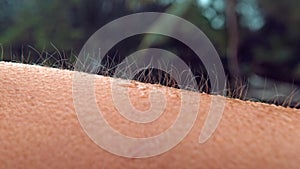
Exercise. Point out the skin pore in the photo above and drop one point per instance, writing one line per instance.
(39, 127)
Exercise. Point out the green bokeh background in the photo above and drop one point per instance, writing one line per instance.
(52, 33)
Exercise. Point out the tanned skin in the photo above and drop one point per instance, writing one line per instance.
(39, 127)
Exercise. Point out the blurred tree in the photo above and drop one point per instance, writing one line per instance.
(66, 25)
(272, 51)
(233, 39)
(267, 39)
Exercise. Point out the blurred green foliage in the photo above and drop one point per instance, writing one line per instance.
(55, 31)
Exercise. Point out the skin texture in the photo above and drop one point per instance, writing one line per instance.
(39, 127)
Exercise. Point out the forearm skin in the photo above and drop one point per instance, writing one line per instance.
(39, 128)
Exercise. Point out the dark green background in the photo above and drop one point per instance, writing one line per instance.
(52, 32)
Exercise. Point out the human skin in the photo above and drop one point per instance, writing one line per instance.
(39, 127)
